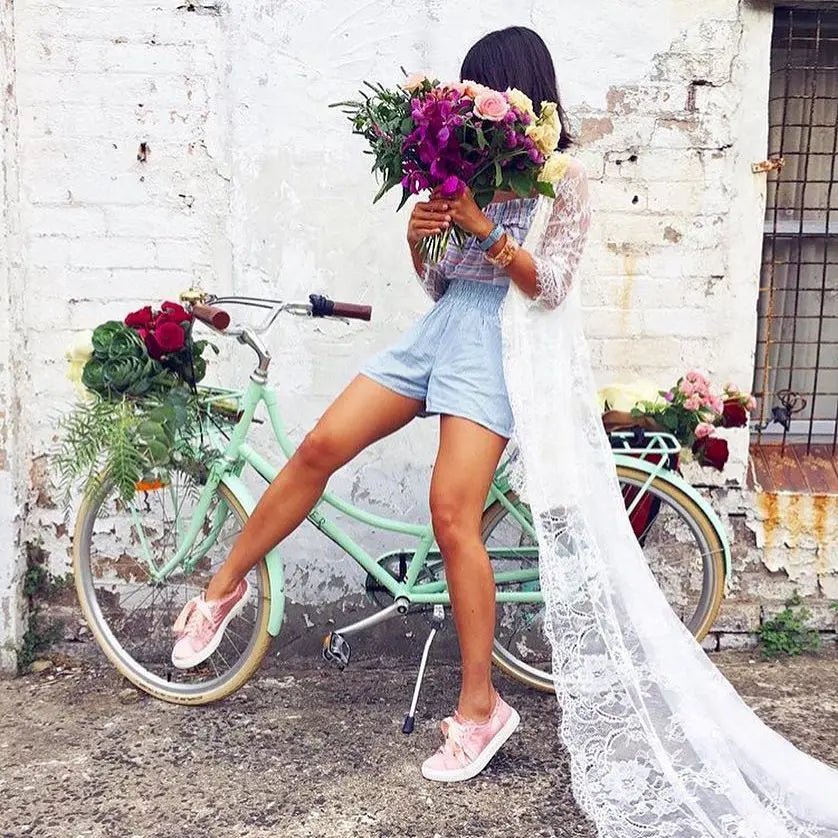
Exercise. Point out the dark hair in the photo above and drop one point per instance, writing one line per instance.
(517, 57)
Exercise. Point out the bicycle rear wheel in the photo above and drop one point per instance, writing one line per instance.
(682, 547)
(131, 615)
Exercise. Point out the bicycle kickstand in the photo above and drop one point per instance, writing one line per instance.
(437, 621)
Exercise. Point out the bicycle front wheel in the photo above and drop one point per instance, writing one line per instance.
(130, 613)
(682, 547)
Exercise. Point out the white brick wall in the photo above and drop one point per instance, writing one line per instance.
(101, 231)
(252, 184)
(11, 617)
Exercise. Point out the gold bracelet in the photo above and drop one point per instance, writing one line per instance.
(506, 254)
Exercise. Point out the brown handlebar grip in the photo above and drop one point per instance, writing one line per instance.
(212, 316)
(358, 312)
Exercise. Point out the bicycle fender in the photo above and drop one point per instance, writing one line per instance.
(273, 561)
(689, 490)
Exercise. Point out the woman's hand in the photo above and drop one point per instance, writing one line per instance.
(427, 219)
(467, 215)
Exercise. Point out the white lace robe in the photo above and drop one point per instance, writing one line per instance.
(660, 743)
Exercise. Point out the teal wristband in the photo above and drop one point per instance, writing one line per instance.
(485, 244)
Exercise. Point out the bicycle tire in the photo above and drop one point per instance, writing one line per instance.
(712, 590)
(155, 686)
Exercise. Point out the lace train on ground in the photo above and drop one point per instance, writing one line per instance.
(660, 743)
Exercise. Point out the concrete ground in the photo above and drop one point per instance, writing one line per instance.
(306, 750)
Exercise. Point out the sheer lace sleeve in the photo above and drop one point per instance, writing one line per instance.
(433, 280)
(560, 248)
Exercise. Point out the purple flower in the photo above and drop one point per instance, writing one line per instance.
(415, 182)
(451, 186)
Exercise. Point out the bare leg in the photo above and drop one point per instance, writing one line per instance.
(363, 413)
(467, 458)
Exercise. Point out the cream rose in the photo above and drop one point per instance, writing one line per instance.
(520, 101)
(554, 168)
(414, 81)
(491, 105)
(78, 354)
(545, 131)
(625, 396)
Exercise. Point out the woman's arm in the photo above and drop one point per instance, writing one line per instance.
(545, 274)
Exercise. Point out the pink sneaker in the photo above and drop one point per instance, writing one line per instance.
(201, 624)
(469, 745)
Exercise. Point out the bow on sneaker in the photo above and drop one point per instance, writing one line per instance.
(187, 619)
(469, 745)
(200, 626)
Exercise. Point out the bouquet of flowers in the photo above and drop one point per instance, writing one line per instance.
(689, 410)
(138, 412)
(426, 135)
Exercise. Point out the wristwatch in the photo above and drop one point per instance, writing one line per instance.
(497, 232)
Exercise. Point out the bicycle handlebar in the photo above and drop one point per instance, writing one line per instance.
(211, 315)
(324, 307)
(318, 306)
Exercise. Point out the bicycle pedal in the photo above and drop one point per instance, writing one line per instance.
(336, 649)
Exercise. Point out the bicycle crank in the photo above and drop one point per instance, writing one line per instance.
(336, 649)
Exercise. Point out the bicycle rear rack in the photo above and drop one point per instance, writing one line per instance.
(642, 443)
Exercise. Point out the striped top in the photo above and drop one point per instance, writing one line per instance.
(515, 216)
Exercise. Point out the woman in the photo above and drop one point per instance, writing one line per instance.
(660, 744)
(449, 364)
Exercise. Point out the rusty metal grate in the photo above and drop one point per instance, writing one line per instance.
(796, 370)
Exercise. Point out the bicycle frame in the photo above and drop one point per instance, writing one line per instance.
(238, 453)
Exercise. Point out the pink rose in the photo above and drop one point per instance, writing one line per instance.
(703, 429)
(414, 81)
(686, 387)
(697, 377)
(459, 86)
(491, 105)
(693, 402)
(472, 88)
(751, 404)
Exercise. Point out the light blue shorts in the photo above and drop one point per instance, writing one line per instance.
(452, 359)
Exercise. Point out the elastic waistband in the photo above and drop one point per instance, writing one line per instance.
(474, 293)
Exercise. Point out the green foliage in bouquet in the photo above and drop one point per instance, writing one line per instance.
(142, 413)
(128, 440)
(120, 365)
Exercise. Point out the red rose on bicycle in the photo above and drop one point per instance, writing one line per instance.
(734, 414)
(169, 336)
(140, 319)
(711, 451)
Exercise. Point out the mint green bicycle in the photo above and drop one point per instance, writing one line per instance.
(137, 563)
